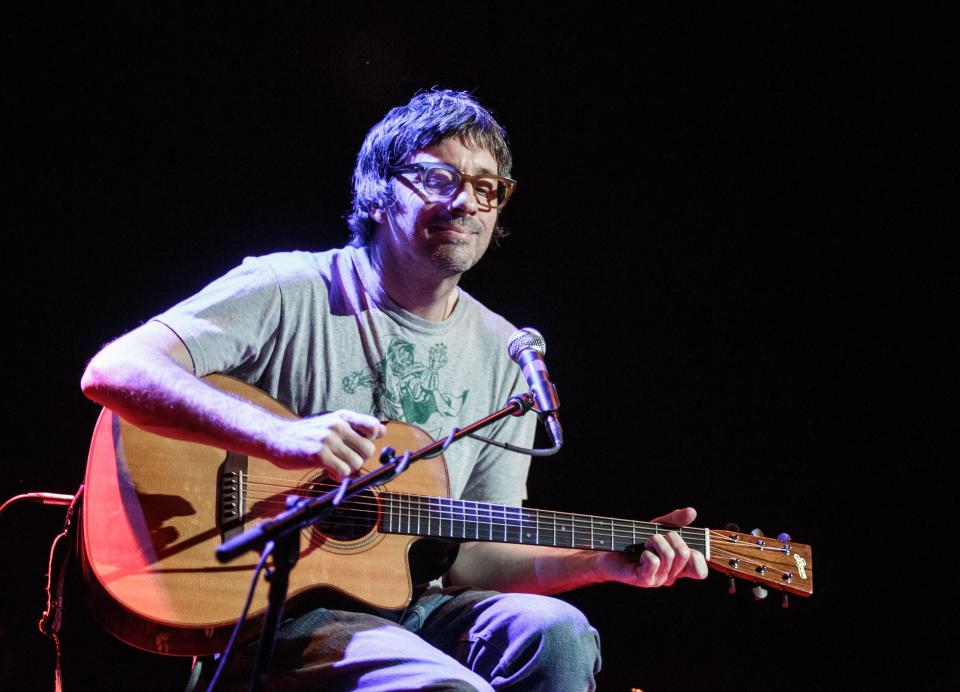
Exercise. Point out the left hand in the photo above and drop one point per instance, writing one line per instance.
(665, 557)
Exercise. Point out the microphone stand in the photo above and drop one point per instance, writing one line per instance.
(281, 534)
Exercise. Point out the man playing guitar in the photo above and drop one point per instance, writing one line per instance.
(374, 331)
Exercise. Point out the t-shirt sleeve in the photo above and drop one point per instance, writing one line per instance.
(230, 322)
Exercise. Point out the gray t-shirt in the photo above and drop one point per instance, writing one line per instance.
(316, 332)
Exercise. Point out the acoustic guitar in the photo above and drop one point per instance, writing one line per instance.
(156, 508)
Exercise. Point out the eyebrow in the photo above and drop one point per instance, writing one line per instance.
(483, 170)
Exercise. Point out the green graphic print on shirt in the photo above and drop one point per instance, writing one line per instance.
(405, 389)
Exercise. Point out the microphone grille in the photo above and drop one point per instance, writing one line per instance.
(528, 337)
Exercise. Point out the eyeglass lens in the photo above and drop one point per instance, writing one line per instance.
(446, 183)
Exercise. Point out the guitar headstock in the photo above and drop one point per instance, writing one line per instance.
(780, 564)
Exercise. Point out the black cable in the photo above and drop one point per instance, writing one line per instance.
(44, 498)
(546, 452)
(267, 549)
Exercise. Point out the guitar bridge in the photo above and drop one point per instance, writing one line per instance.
(231, 495)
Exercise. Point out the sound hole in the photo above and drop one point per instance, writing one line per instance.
(355, 518)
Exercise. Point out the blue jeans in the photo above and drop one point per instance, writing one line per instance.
(450, 639)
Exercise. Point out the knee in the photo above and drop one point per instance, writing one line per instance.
(549, 635)
(558, 628)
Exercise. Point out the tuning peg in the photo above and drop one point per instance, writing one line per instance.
(759, 593)
(757, 532)
(784, 537)
(732, 527)
(732, 585)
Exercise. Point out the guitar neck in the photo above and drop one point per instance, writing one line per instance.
(466, 520)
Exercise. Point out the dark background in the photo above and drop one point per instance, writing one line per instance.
(730, 227)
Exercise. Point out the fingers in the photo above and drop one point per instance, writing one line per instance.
(697, 567)
(656, 561)
(348, 442)
(367, 426)
(666, 558)
(339, 442)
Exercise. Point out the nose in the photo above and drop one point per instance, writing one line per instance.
(464, 203)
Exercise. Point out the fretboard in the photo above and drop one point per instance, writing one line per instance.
(465, 520)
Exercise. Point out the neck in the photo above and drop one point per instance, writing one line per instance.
(427, 295)
(420, 515)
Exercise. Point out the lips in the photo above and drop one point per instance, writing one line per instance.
(465, 228)
(459, 230)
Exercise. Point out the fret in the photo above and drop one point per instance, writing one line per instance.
(546, 528)
(394, 513)
(387, 521)
(624, 534)
(564, 532)
(401, 513)
(434, 527)
(411, 503)
(601, 533)
(456, 520)
(512, 526)
(582, 532)
(485, 517)
(498, 530)
(446, 511)
(419, 512)
(528, 527)
(398, 510)
(471, 525)
(446, 518)
(406, 514)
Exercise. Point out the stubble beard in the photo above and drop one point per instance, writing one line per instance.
(458, 255)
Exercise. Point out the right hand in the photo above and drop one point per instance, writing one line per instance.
(339, 442)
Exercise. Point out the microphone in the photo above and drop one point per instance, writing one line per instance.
(526, 348)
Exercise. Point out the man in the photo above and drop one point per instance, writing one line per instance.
(376, 330)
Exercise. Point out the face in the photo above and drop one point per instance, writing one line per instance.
(446, 236)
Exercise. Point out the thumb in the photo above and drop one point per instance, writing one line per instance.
(368, 426)
(678, 517)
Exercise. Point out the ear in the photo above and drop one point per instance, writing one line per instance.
(377, 214)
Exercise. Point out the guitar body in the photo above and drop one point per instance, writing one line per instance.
(156, 508)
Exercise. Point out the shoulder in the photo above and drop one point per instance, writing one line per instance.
(296, 267)
(292, 264)
(495, 329)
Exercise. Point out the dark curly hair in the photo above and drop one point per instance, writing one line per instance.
(429, 117)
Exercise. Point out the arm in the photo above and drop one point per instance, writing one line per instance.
(147, 377)
(544, 570)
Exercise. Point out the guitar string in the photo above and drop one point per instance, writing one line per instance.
(428, 502)
(578, 537)
(420, 501)
(526, 521)
(719, 550)
(417, 503)
(718, 539)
